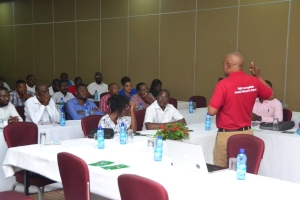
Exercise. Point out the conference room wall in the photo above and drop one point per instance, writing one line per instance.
(166, 39)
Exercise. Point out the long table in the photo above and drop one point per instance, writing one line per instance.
(72, 130)
(198, 116)
(180, 184)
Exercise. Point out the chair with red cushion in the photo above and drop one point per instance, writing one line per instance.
(287, 115)
(21, 134)
(140, 116)
(200, 101)
(254, 149)
(75, 177)
(89, 123)
(136, 187)
(173, 101)
(12, 195)
(20, 110)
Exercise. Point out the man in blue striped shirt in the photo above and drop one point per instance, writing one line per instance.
(20, 94)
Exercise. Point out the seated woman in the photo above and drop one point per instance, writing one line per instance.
(143, 96)
(156, 87)
(117, 104)
(127, 90)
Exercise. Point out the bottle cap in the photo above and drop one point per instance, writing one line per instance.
(122, 124)
(242, 150)
(61, 98)
(159, 137)
(191, 100)
(100, 127)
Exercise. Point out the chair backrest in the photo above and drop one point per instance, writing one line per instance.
(74, 175)
(254, 149)
(287, 115)
(12, 195)
(137, 187)
(200, 101)
(20, 134)
(140, 116)
(89, 123)
(20, 110)
(173, 101)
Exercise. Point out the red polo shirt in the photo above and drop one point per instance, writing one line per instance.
(72, 89)
(234, 98)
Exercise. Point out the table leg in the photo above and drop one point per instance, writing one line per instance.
(26, 182)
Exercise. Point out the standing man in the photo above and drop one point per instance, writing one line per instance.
(97, 85)
(8, 112)
(31, 83)
(65, 77)
(41, 108)
(233, 100)
(21, 94)
(62, 93)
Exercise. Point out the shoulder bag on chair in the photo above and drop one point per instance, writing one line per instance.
(283, 126)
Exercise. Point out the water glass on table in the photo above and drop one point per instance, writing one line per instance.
(275, 124)
(151, 145)
(1, 124)
(232, 164)
(129, 136)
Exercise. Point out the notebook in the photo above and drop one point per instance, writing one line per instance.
(187, 156)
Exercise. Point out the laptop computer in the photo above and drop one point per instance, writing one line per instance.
(187, 156)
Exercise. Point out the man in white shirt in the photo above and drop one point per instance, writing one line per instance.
(30, 83)
(62, 93)
(160, 112)
(54, 87)
(8, 112)
(97, 85)
(41, 108)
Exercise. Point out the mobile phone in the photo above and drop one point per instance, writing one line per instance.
(289, 132)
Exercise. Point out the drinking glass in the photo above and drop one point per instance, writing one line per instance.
(232, 164)
(42, 139)
(275, 124)
(151, 145)
(129, 136)
(1, 124)
(195, 105)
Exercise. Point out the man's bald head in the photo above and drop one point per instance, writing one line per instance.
(40, 87)
(232, 62)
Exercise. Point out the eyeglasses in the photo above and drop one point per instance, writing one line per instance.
(98, 76)
(163, 98)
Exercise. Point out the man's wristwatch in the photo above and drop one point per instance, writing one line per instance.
(258, 118)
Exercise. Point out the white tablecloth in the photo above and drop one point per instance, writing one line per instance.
(197, 117)
(179, 184)
(72, 130)
(296, 118)
(182, 105)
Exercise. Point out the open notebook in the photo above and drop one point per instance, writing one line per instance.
(187, 156)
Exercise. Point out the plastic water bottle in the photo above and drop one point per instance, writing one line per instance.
(241, 166)
(158, 150)
(100, 138)
(208, 122)
(86, 111)
(62, 119)
(61, 103)
(141, 106)
(96, 96)
(191, 107)
(123, 134)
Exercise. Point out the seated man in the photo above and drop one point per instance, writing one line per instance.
(76, 107)
(65, 77)
(72, 89)
(113, 88)
(62, 93)
(97, 85)
(8, 112)
(54, 87)
(21, 94)
(41, 108)
(266, 110)
(160, 112)
(31, 83)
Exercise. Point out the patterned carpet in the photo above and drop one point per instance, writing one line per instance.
(53, 195)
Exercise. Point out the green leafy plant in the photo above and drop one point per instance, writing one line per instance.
(176, 131)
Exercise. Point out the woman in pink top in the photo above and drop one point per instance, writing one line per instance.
(142, 96)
